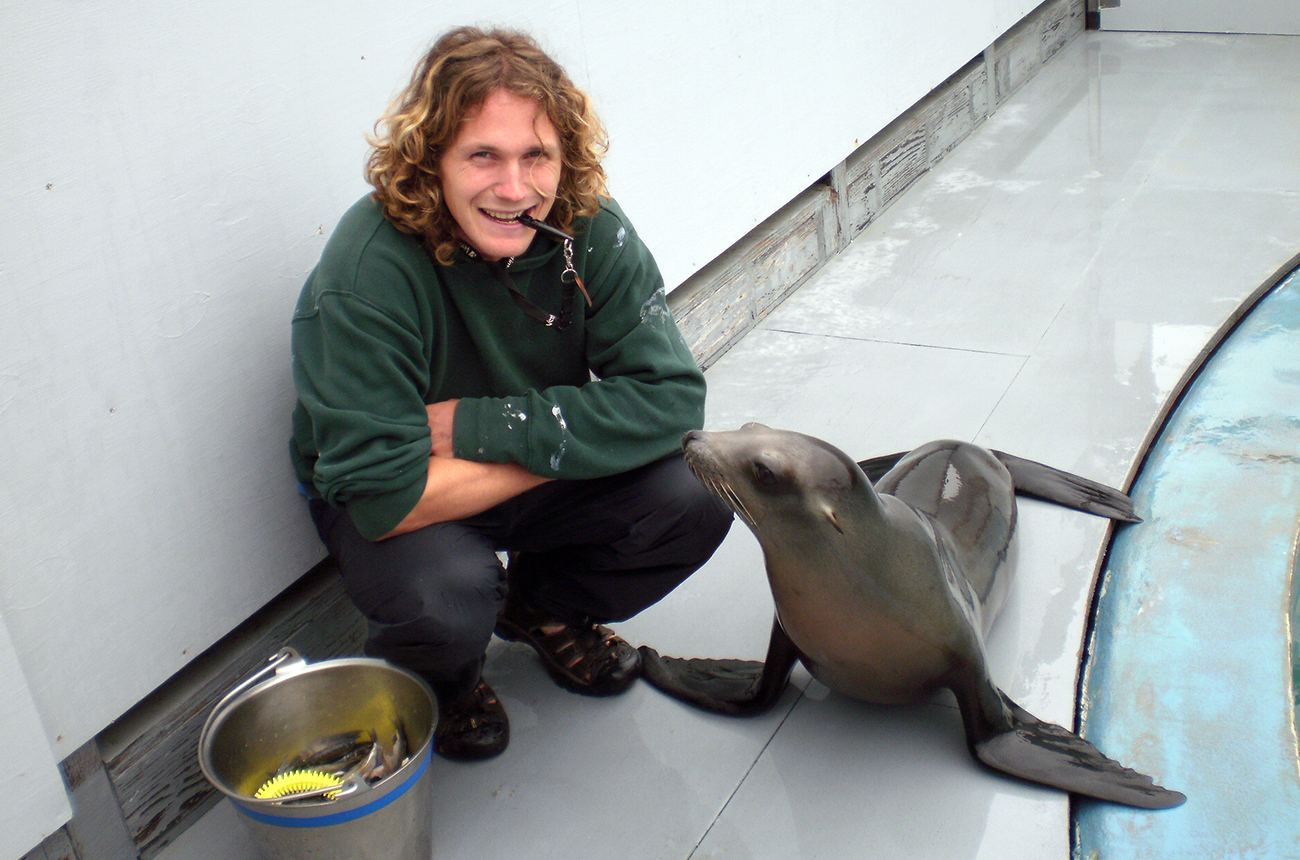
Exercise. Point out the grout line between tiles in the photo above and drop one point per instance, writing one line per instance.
(897, 342)
(722, 809)
(1003, 396)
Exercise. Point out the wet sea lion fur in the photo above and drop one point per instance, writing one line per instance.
(886, 591)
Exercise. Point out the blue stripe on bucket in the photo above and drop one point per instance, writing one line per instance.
(341, 817)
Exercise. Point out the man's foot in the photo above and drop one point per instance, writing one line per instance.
(472, 728)
(586, 659)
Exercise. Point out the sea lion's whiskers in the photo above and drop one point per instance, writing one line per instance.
(729, 496)
(720, 488)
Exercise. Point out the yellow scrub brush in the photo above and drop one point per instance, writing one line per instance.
(299, 785)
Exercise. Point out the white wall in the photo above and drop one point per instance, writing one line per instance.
(37, 804)
(1275, 17)
(170, 173)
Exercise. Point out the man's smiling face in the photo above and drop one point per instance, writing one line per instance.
(504, 160)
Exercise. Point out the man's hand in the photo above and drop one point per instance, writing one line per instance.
(455, 489)
(441, 418)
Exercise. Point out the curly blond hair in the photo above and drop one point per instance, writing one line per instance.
(458, 73)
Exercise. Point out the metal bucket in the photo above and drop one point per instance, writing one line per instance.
(290, 705)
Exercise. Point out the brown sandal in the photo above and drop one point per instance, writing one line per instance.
(473, 728)
(589, 659)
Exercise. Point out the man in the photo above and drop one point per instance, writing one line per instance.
(470, 385)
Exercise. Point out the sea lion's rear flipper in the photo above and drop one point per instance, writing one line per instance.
(1039, 481)
(734, 687)
(877, 467)
(1049, 484)
(1049, 754)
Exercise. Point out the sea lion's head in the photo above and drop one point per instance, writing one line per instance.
(779, 482)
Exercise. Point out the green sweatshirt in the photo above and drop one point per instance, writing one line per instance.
(381, 329)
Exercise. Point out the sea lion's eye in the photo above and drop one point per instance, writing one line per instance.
(763, 476)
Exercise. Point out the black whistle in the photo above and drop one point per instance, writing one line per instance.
(529, 221)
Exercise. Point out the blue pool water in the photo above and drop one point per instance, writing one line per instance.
(1295, 635)
(1190, 675)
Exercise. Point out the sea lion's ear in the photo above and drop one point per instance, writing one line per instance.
(829, 513)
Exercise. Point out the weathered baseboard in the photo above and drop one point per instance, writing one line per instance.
(137, 786)
(150, 754)
(729, 296)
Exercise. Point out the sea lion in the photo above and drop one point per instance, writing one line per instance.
(886, 593)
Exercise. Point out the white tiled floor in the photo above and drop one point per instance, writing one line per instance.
(1041, 291)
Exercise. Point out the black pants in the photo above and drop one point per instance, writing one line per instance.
(595, 550)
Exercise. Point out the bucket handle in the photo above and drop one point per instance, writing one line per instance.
(287, 658)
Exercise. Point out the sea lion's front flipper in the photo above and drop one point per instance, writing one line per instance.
(734, 687)
(1049, 484)
(1049, 754)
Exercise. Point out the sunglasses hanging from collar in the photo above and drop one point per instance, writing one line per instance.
(569, 277)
